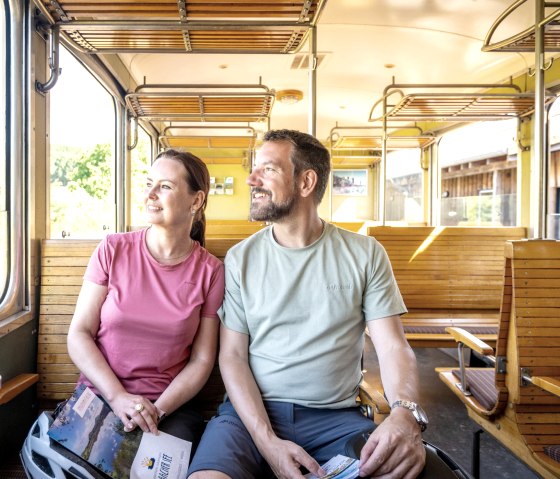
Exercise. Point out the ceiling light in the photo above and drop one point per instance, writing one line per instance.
(289, 96)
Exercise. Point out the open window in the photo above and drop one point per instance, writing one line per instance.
(82, 155)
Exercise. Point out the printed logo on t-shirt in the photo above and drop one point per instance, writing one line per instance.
(339, 286)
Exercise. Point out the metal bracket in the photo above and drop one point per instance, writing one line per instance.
(54, 43)
(135, 135)
(465, 392)
(525, 377)
(546, 66)
(501, 364)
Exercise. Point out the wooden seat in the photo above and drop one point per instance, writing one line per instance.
(232, 228)
(63, 266)
(526, 414)
(448, 276)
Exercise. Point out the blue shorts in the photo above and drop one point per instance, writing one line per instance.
(226, 445)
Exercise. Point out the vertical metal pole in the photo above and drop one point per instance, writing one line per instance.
(331, 178)
(538, 159)
(313, 81)
(476, 454)
(120, 168)
(383, 166)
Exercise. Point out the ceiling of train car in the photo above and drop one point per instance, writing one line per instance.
(359, 40)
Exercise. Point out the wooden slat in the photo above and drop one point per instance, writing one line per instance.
(442, 272)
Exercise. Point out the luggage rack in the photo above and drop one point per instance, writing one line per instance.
(194, 26)
(201, 103)
(212, 142)
(364, 144)
(525, 41)
(453, 102)
(341, 139)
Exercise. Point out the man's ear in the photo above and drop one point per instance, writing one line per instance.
(307, 182)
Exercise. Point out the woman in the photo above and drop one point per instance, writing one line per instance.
(145, 330)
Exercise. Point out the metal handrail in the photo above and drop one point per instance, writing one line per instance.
(487, 46)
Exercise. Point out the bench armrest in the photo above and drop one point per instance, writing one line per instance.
(373, 399)
(470, 340)
(550, 384)
(12, 388)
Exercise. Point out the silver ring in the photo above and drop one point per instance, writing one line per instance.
(139, 407)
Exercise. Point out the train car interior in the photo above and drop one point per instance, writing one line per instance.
(442, 121)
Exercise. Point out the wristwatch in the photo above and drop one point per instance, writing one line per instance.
(417, 412)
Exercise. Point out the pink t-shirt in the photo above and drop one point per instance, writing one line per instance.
(152, 311)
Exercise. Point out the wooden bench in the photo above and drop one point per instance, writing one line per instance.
(355, 226)
(518, 401)
(232, 228)
(245, 228)
(63, 266)
(222, 229)
(448, 276)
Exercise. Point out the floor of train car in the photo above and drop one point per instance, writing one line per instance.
(450, 428)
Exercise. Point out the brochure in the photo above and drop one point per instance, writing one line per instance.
(88, 427)
(339, 467)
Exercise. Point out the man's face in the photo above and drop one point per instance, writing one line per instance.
(273, 187)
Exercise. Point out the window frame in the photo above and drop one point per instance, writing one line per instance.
(117, 146)
(13, 299)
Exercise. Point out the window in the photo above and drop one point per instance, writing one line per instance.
(553, 204)
(140, 162)
(4, 187)
(82, 154)
(403, 187)
(478, 175)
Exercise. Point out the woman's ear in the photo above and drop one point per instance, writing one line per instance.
(308, 182)
(199, 200)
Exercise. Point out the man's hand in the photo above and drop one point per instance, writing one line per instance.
(285, 459)
(394, 449)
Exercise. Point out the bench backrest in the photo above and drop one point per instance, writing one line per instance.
(525, 416)
(447, 268)
(63, 266)
(232, 228)
(535, 338)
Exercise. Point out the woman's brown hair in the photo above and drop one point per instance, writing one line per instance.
(198, 179)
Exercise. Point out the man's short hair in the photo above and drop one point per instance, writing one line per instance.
(307, 154)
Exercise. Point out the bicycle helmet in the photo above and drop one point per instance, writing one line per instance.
(43, 458)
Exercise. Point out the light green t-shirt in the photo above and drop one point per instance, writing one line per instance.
(304, 310)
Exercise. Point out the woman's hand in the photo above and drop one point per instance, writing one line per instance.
(134, 410)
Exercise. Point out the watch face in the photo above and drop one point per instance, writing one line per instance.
(417, 411)
(421, 417)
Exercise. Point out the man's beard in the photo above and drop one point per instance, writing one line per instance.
(271, 211)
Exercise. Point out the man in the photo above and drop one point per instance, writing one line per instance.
(298, 297)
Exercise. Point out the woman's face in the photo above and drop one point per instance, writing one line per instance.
(167, 197)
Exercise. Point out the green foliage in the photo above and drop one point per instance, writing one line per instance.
(81, 196)
(90, 170)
